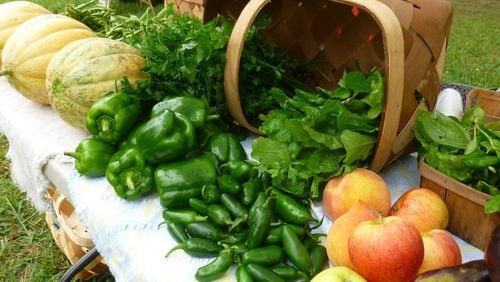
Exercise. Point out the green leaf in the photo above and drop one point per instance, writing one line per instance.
(355, 81)
(493, 205)
(270, 152)
(358, 146)
(473, 115)
(442, 130)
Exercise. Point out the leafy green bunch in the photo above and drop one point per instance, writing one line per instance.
(315, 136)
(467, 150)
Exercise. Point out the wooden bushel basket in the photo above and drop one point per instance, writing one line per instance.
(404, 39)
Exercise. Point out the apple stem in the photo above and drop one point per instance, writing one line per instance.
(380, 218)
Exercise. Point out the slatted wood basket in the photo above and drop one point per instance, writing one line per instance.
(70, 235)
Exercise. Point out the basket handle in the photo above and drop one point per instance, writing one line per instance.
(394, 72)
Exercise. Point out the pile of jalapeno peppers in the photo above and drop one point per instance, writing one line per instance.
(216, 203)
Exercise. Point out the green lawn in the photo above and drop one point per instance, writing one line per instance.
(28, 252)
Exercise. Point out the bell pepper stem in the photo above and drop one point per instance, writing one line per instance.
(130, 179)
(106, 124)
(213, 117)
(74, 155)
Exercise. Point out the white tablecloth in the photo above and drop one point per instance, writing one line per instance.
(127, 234)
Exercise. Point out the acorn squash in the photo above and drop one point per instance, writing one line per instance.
(86, 70)
(13, 14)
(29, 49)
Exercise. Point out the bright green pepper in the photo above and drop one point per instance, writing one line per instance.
(166, 137)
(198, 247)
(226, 147)
(92, 156)
(111, 117)
(233, 205)
(177, 231)
(266, 256)
(295, 250)
(242, 274)
(291, 210)
(198, 206)
(185, 175)
(182, 216)
(129, 174)
(262, 273)
(195, 109)
(217, 267)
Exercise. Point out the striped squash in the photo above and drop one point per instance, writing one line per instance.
(29, 49)
(86, 70)
(13, 14)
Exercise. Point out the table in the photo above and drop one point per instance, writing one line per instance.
(127, 234)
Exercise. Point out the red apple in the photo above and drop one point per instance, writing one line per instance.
(342, 192)
(423, 208)
(387, 249)
(338, 274)
(341, 229)
(440, 250)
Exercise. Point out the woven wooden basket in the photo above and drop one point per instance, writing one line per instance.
(405, 39)
(70, 235)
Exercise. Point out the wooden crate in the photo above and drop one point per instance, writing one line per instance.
(465, 205)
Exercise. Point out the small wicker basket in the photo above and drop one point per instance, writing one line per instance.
(70, 235)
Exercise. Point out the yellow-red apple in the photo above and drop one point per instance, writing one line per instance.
(338, 274)
(386, 249)
(341, 229)
(440, 250)
(342, 192)
(423, 208)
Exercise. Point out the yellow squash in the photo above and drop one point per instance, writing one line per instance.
(13, 14)
(29, 49)
(86, 70)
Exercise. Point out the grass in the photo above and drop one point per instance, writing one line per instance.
(27, 250)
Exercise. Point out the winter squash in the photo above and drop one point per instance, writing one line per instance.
(29, 49)
(13, 14)
(86, 70)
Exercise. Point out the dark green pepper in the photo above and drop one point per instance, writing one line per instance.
(183, 216)
(178, 198)
(204, 230)
(129, 174)
(198, 247)
(290, 210)
(198, 206)
(262, 274)
(210, 193)
(275, 233)
(233, 205)
(228, 184)
(92, 156)
(166, 137)
(191, 173)
(242, 274)
(235, 238)
(250, 191)
(216, 268)
(219, 215)
(319, 259)
(290, 273)
(226, 147)
(259, 222)
(240, 170)
(295, 250)
(195, 109)
(111, 117)
(177, 231)
(266, 256)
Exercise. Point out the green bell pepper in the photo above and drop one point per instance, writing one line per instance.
(165, 137)
(195, 109)
(129, 173)
(226, 147)
(179, 181)
(92, 156)
(111, 117)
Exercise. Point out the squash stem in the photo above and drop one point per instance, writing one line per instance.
(5, 72)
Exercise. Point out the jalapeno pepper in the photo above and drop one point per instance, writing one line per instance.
(195, 109)
(177, 231)
(259, 222)
(199, 206)
(129, 174)
(92, 156)
(262, 273)
(290, 210)
(226, 147)
(228, 184)
(165, 137)
(319, 259)
(204, 230)
(242, 274)
(182, 216)
(219, 215)
(233, 205)
(235, 238)
(295, 251)
(275, 233)
(111, 117)
(239, 169)
(266, 256)
(250, 191)
(216, 268)
(178, 198)
(210, 193)
(290, 273)
(198, 247)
